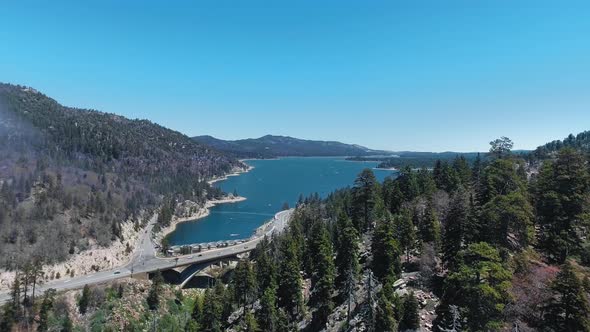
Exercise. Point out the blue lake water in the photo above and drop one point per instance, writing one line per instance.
(267, 187)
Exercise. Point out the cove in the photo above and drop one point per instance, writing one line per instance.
(267, 187)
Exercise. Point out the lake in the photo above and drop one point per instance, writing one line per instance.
(267, 187)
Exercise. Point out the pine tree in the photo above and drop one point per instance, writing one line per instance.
(25, 282)
(283, 323)
(8, 317)
(347, 263)
(393, 198)
(429, 226)
(197, 313)
(405, 233)
(46, 306)
(84, 300)
(501, 178)
(569, 309)
(267, 314)
(461, 167)
(563, 190)
(67, 324)
(12, 310)
(226, 298)
(473, 230)
(448, 319)
(153, 298)
(346, 253)
(453, 234)
(476, 168)
(410, 318)
(506, 217)
(437, 175)
(364, 199)
(449, 180)
(384, 316)
(212, 311)
(408, 183)
(249, 323)
(244, 283)
(426, 183)
(266, 270)
(297, 238)
(480, 286)
(386, 253)
(289, 288)
(323, 275)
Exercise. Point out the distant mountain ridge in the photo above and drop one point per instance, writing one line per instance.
(271, 146)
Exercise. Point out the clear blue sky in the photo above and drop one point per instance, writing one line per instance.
(399, 75)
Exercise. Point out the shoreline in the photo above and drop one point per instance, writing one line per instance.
(202, 212)
(235, 172)
(386, 168)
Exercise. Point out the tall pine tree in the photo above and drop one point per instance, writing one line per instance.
(364, 199)
(563, 192)
(568, 309)
(386, 263)
(323, 275)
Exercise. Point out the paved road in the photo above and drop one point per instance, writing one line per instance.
(145, 260)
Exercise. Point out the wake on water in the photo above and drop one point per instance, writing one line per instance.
(248, 213)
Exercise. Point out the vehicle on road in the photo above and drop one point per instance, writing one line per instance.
(117, 272)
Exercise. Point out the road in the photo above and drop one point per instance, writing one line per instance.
(145, 260)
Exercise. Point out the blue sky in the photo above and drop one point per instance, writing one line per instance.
(399, 75)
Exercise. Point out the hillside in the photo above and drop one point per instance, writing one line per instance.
(581, 142)
(70, 178)
(271, 146)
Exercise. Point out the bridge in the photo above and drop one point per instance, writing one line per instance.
(185, 275)
(145, 261)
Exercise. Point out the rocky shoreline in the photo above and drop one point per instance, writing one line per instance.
(235, 172)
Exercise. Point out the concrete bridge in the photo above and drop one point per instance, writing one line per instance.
(183, 275)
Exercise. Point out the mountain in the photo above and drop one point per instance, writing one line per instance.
(271, 146)
(72, 177)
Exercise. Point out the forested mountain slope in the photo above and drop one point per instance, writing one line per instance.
(271, 146)
(485, 246)
(69, 177)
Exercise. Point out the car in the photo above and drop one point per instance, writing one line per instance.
(200, 255)
(117, 272)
